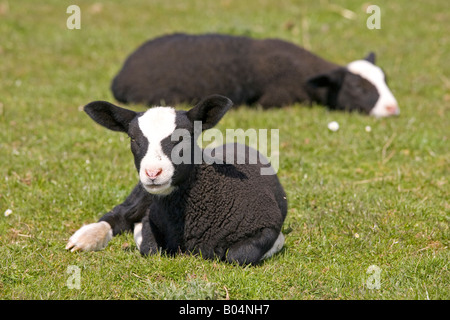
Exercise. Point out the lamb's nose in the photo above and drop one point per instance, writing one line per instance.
(153, 173)
(393, 109)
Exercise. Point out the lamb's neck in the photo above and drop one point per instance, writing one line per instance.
(320, 94)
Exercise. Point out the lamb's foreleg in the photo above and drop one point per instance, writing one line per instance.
(95, 236)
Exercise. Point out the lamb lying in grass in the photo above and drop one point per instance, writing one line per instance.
(271, 73)
(213, 208)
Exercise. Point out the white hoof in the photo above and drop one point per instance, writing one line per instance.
(91, 237)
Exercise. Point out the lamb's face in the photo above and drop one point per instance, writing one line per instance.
(151, 144)
(156, 133)
(365, 89)
(361, 86)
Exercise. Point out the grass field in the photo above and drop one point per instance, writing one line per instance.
(356, 198)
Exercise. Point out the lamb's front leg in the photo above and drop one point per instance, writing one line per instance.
(91, 237)
(95, 236)
(145, 237)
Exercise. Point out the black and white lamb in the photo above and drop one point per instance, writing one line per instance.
(184, 68)
(209, 206)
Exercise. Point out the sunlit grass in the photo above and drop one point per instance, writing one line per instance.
(356, 198)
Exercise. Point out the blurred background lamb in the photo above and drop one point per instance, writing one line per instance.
(271, 73)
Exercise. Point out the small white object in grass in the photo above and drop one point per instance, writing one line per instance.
(8, 212)
(368, 129)
(333, 126)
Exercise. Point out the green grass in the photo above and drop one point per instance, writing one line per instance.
(356, 198)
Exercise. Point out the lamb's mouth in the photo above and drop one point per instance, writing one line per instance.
(158, 188)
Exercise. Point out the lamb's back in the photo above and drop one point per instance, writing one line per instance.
(181, 68)
(230, 202)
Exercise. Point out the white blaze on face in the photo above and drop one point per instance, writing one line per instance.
(156, 169)
(386, 104)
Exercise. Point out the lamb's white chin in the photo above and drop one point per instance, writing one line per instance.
(159, 189)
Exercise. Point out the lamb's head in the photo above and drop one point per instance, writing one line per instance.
(360, 86)
(155, 135)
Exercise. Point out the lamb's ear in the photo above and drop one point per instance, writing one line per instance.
(109, 115)
(330, 79)
(370, 57)
(210, 110)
